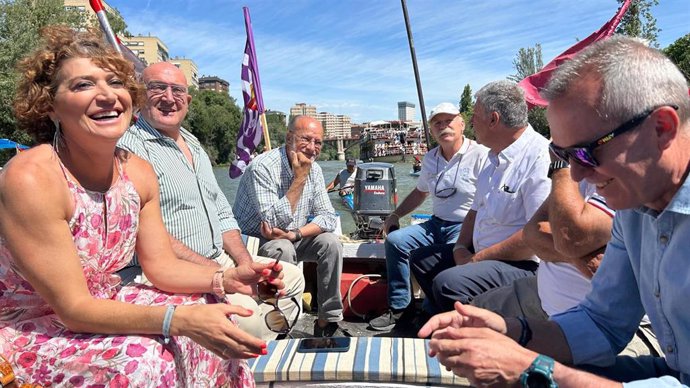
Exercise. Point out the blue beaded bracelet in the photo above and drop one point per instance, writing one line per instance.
(166, 323)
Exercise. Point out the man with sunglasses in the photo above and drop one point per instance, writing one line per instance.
(620, 112)
(195, 211)
(449, 174)
(490, 251)
(282, 199)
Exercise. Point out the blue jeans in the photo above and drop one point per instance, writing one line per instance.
(398, 246)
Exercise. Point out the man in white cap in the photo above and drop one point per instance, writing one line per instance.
(490, 251)
(449, 174)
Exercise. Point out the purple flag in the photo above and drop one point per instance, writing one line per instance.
(250, 133)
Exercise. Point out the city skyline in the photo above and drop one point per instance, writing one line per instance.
(352, 58)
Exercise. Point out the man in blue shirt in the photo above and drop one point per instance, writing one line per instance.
(620, 113)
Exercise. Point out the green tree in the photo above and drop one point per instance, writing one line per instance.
(277, 129)
(214, 118)
(527, 62)
(639, 22)
(679, 53)
(117, 23)
(467, 110)
(20, 25)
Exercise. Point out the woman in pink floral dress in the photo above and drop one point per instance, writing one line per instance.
(73, 213)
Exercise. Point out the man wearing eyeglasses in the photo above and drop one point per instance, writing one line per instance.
(448, 175)
(490, 251)
(282, 199)
(195, 211)
(642, 171)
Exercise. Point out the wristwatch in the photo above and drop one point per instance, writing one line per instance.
(298, 235)
(539, 374)
(557, 165)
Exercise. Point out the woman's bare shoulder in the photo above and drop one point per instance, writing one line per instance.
(142, 175)
(34, 179)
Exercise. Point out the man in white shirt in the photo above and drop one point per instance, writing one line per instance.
(449, 175)
(490, 251)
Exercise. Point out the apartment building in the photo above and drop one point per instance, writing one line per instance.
(214, 83)
(190, 70)
(406, 111)
(150, 49)
(335, 126)
(302, 109)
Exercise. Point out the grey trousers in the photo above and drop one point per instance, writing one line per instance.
(327, 251)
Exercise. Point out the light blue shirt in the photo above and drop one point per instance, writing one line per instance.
(261, 196)
(646, 269)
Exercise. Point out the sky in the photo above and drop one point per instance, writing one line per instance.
(352, 57)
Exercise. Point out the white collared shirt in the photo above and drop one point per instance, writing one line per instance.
(461, 172)
(510, 189)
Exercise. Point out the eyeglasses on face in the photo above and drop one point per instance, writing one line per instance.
(158, 88)
(584, 153)
(303, 140)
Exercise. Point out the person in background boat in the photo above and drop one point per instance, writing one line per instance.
(196, 213)
(417, 164)
(449, 175)
(345, 180)
(282, 199)
(73, 213)
(490, 251)
(619, 112)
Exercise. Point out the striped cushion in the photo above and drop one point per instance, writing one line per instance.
(370, 359)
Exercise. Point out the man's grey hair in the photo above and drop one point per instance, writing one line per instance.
(507, 99)
(631, 76)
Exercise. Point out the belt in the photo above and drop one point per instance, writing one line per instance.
(444, 222)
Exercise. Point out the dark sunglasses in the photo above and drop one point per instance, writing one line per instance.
(276, 320)
(584, 154)
(448, 191)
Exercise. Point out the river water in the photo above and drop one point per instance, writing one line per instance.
(404, 183)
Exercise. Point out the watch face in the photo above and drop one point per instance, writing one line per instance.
(537, 379)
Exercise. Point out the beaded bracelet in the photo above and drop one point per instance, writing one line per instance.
(166, 323)
(217, 283)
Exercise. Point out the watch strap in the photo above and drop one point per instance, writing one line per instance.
(298, 234)
(539, 373)
(557, 165)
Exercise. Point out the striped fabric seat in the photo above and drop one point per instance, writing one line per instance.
(370, 359)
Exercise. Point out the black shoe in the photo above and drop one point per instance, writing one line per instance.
(386, 321)
(332, 329)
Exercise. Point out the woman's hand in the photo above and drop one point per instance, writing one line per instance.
(210, 327)
(245, 278)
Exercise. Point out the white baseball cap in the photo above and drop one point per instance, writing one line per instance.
(444, 107)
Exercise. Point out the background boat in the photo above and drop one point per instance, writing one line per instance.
(391, 142)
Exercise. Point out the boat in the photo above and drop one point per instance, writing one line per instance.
(391, 141)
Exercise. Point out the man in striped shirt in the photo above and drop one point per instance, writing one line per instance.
(196, 213)
(282, 198)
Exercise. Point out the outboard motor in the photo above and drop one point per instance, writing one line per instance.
(375, 198)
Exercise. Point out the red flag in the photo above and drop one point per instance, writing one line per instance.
(537, 81)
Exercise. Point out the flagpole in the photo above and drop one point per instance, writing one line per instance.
(416, 74)
(267, 138)
(98, 8)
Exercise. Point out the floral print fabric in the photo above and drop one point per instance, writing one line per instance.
(42, 350)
